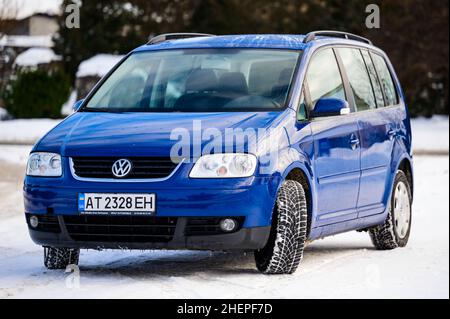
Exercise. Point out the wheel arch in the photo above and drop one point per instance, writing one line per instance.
(300, 174)
(405, 165)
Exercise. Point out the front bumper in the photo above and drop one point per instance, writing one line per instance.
(180, 197)
(252, 198)
(243, 239)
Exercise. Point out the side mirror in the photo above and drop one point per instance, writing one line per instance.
(77, 105)
(331, 107)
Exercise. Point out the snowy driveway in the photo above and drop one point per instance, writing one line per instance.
(344, 266)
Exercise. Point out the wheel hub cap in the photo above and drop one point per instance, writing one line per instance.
(402, 210)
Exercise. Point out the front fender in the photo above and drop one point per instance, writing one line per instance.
(295, 160)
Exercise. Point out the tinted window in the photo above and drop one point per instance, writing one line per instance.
(358, 78)
(198, 80)
(386, 79)
(373, 79)
(323, 77)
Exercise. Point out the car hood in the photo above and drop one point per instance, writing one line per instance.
(142, 134)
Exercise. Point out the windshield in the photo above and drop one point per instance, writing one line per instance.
(194, 80)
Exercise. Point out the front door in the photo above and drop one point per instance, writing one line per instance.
(337, 168)
(336, 145)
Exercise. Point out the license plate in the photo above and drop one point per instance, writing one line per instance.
(116, 204)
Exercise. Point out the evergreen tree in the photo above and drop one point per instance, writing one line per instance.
(414, 33)
(106, 26)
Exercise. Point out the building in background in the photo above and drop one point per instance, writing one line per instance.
(27, 44)
(37, 24)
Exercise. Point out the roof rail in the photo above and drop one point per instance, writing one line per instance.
(336, 34)
(173, 36)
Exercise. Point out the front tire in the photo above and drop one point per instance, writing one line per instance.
(396, 229)
(284, 249)
(60, 258)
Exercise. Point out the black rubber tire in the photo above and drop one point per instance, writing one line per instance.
(385, 237)
(284, 249)
(60, 258)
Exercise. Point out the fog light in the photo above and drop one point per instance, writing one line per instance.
(228, 225)
(34, 221)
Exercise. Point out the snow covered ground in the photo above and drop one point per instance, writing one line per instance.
(25, 131)
(343, 266)
(430, 135)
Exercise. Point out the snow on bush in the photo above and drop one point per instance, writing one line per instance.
(35, 56)
(98, 65)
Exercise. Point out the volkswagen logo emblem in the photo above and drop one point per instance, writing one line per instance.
(121, 168)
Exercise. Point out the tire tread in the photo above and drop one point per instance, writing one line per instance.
(60, 258)
(283, 255)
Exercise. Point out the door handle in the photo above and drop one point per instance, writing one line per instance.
(391, 133)
(354, 142)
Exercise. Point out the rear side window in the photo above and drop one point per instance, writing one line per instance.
(358, 78)
(323, 77)
(386, 79)
(373, 79)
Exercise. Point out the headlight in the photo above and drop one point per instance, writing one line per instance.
(224, 166)
(44, 164)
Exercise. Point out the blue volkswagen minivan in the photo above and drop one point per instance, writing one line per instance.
(259, 143)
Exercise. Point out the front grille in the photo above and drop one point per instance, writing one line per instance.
(46, 223)
(204, 226)
(142, 167)
(121, 228)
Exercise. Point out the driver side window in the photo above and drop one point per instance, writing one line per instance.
(323, 77)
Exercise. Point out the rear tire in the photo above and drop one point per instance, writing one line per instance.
(60, 258)
(396, 229)
(284, 249)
